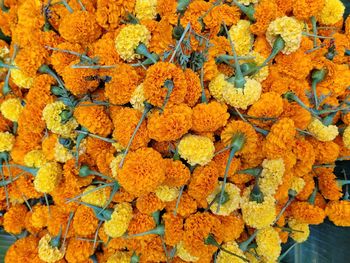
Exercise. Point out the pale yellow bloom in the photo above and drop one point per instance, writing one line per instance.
(11, 109)
(167, 193)
(119, 222)
(322, 132)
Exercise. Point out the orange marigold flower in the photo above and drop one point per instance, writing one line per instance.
(328, 185)
(23, 250)
(299, 115)
(270, 105)
(29, 59)
(209, 117)
(40, 216)
(307, 213)
(176, 173)
(203, 181)
(79, 250)
(142, 172)
(94, 118)
(104, 49)
(304, 9)
(141, 223)
(123, 83)
(80, 27)
(173, 228)
(78, 80)
(14, 219)
(149, 203)
(221, 162)
(305, 193)
(195, 10)
(233, 225)
(265, 12)
(186, 207)
(194, 89)
(171, 124)
(61, 218)
(305, 155)
(157, 75)
(280, 139)
(29, 226)
(153, 251)
(60, 60)
(84, 221)
(339, 212)
(125, 122)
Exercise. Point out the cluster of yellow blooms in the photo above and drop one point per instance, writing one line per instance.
(171, 130)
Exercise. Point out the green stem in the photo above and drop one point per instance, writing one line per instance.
(67, 229)
(314, 30)
(249, 11)
(341, 183)
(159, 230)
(90, 191)
(96, 136)
(312, 197)
(244, 245)
(312, 35)
(290, 200)
(169, 85)
(203, 97)
(278, 46)
(291, 96)
(286, 252)
(67, 6)
(45, 69)
(181, 39)
(252, 171)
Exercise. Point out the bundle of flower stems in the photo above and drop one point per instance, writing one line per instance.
(171, 131)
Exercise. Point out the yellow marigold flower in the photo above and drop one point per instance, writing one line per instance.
(250, 209)
(289, 29)
(299, 226)
(231, 202)
(48, 177)
(332, 12)
(182, 253)
(128, 40)
(321, 132)
(118, 147)
(6, 141)
(269, 244)
(21, 79)
(120, 257)
(247, 2)
(298, 184)
(35, 158)
(138, 98)
(97, 198)
(196, 149)
(11, 109)
(61, 153)
(224, 257)
(242, 37)
(167, 193)
(217, 86)
(114, 164)
(146, 9)
(51, 115)
(119, 222)
(242, 98)
(346, 137)
(271, 176)
(263, 73)
(48, 253)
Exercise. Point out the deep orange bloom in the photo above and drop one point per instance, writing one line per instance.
(308, 188)
(173, 228)
(84, 221)
(307, 213)
(176, 173)
(78, 250)
(14, 219)
(187, 205)
(24, 249)
(327, 184)
(149, 203)
(339, 212)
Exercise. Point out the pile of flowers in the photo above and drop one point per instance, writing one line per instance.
(171, 131)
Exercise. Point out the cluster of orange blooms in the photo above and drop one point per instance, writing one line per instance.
(171, 131)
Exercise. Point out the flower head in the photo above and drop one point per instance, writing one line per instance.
(47, 252)
(242, 37)
(129, 39)
(11, 109)
(119, 257)
(289, 29)
(35, 158)
(52, 116)
(138, 98)
(6, 141)
(84, 221)
(14, 219)
(98, 198)
(119, 222)
(167, 193)
(269, 244)
(302, 230)
(346, 137)
(182, 253)
(196, 149)
(339, 212)
(297, 184)
(233, 247)
(217, 87)
(271, 176)
(146, 9)
(21, 79)
(322, 132)
(307, 213)
(48, 177)
(331, 12)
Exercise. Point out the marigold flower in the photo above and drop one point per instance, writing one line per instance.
(331, 12)
(231, 201)
(233, 247)
(51, 115)
(305, 9)
(209, 117)
(297, 235)
(186, 207)
(149, 203)
(265, 12)
(297, 184)
(129, 38)
(322, 132)
(79, 250)
(271, 176)
(259, 59)
(155, 81)
(138, 98)
(299, 115)
(194, 88)
(48, 177)
(143, 171)
(35, 158)
(173, 228)
(40, 216)
(269, 244)
(266, 211)
(21, 79)
(84, 221)
(176, 173)
(98, 198)
(167, 193)
(339, 212)
(60, 60)
(305, 156)
(11, 109)
(233, 225)
(120, 257)
(171, 124)
(146, 9)
(182, 253)
(125, 122)
(328, 185)
(47, 252)
(122, 85)
(80, 27)
(119, 222)
(242, 98)
(94, 118)
(289, 29)
(217, 87)
(346, 137)
(6, 141)
(242, 37)
(305, 212)
(14, 219)
(24, 249)
(196, 149)
(141, 223)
